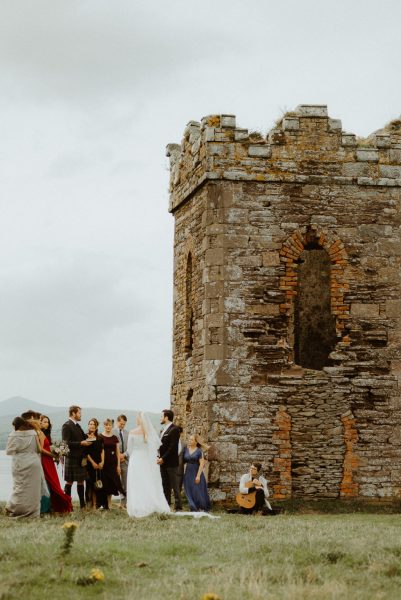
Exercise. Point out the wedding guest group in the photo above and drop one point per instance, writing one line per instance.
(141, 467)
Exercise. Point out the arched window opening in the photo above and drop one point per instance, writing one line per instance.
(314, 325)
(188, 403)
(189, 311)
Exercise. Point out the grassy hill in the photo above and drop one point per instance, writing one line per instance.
(286, 557)
(58, 415)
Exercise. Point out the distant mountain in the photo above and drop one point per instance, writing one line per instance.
(17, 405)
(58, 415)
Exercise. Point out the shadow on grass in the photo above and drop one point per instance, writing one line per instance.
(336, 506)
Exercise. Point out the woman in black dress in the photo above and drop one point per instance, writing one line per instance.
(111, 471)
(95, 497)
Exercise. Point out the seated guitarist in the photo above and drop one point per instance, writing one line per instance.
(252, 482)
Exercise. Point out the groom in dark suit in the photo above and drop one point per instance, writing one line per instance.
(168, 458)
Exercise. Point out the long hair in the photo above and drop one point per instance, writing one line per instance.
(21, 424)
(48, 431)
(31, 416)
(200, 443)
(96, 422)
(142, 423)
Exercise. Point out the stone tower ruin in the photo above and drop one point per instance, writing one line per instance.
(286, 341)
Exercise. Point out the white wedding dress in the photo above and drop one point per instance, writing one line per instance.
(144, 485)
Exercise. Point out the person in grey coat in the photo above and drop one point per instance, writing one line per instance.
(122, 436)
(24, 447)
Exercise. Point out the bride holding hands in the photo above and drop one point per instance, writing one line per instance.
(144, 486)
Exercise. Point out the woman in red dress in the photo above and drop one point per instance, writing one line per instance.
(60, 501)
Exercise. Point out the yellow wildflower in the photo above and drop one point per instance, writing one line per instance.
(210, 596)
(70, 525)
(97, 575)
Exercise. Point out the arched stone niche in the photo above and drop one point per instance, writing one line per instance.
(314, 283)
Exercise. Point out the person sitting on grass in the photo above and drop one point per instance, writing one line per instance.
(253, 482)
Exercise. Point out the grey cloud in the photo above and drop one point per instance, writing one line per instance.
(78, 49)
(57, 310)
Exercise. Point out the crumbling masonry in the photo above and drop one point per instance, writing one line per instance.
(286, 342)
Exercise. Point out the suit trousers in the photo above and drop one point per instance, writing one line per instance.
(171, 481)
(124, 473)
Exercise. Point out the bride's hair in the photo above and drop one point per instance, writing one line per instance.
(143, 425)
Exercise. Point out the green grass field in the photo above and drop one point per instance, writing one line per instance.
(288, 556)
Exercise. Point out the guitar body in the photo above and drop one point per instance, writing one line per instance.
(246, 500)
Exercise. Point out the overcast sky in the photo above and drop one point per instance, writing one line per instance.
(91, 93)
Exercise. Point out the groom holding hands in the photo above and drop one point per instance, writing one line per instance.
(168, 458)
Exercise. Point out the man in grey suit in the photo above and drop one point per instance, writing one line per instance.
(122, 435)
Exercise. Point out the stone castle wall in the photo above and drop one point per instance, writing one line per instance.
(248, 210)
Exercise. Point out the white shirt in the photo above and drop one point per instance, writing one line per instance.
(263, 482)
(167, 425)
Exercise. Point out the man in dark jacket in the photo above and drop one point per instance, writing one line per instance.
(168, 458)
(74, 469)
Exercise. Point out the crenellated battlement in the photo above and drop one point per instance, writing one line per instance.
(305, 146)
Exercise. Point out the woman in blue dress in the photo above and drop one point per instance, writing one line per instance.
(195, 485)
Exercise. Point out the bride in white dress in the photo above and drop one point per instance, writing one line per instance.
(144, 485)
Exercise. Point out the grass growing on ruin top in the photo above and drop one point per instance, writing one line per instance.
(236, 557)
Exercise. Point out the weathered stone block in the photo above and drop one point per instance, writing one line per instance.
(356, 169)
(214, 289)
(393, 308)
(227, 121)
(240, 135)
(259, 151)
(365, 310)
(265, 309)
(214, 352)
(270, 259)
(290, 124)
(234, 305)
(390, 171)
(383, 141)
(216, 149)
(367, 154)
(214, 256)
(334, 125)
(210, 134)
(312, 110)
(348, 139)
(236, 175)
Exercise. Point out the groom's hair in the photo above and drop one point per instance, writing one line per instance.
(169, 414)
(122, 418)
(73, 409)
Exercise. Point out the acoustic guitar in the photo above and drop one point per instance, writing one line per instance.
(247, 500)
